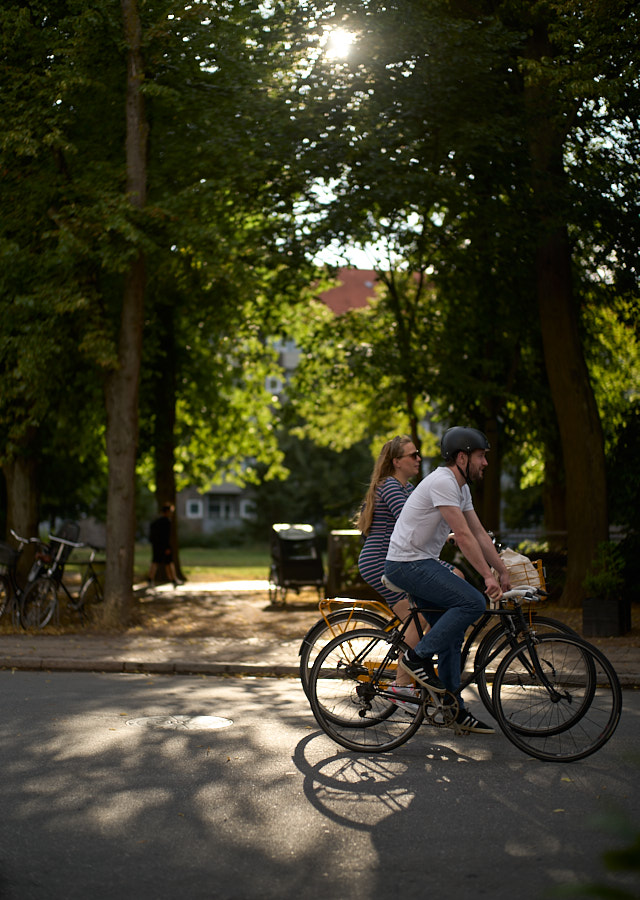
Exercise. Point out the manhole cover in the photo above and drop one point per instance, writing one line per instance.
(188, 723)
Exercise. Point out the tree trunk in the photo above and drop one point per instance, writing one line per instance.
(121, 397)
(122, 386)
(164, 433)
(554, 499)
(576, 410)
(22, 504)
(489, 495)
(571, 392)
(22, 496)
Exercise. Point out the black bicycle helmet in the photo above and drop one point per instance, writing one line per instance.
(462, 439)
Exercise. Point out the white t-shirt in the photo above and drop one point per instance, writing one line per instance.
(421, 530)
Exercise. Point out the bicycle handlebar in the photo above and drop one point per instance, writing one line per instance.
(60, 540)
(519, 592)
(23, 540)
(77, 545)
(523, 593)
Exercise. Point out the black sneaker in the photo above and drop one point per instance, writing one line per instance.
(466, 722)
(424, 673)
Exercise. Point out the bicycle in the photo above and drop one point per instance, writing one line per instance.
(90, 591)
(554, 696)
(41, 600)
(351, 615)
(491, 648)
(10, 589)
(354, 614)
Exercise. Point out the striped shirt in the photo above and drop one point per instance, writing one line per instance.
(391, 496)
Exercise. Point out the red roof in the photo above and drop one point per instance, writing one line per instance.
(355, 290)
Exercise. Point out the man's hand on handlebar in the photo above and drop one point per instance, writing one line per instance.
(492, 588)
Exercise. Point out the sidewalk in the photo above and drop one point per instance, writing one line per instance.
(204, 655)
(166, 655)
(171, 655)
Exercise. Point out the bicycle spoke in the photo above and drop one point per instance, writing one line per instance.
(563, 705)
(38, 603)
(325, 630)
(497, 643)
(349, 696)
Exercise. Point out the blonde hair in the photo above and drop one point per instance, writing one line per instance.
(383, 469)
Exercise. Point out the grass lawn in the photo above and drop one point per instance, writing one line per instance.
(218, 564)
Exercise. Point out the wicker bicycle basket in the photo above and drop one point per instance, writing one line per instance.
(523, 572)
(523, 575)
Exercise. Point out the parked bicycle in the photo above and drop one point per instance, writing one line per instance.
(40, 602)
(10, 588)
(554, 696)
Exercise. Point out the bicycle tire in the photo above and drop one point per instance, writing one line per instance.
(5, 594)
(334, 714)
(347, 692)
(568, 714)
(584, 687)
(277, 594)
(325, 630)
(90, 594)
(38, 603)
(490, 644)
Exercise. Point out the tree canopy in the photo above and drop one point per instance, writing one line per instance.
(169, 173)
(478, 143)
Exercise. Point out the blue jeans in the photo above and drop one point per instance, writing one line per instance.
(431, 585)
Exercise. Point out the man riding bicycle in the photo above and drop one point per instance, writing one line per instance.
(441, 504)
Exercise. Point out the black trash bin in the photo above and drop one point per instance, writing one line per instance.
(606, 617)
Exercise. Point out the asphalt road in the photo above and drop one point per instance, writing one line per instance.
(133, 786)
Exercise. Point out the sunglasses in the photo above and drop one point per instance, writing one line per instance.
(414, 455)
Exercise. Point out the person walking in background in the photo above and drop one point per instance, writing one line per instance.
(161, 553)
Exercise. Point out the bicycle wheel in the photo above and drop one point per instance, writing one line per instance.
(334, 713)
(38, 603)
(348, 692)
(90, 593)
(325, 630)
(559, 700)
(5, 594)
(495, 645)
(277, 593)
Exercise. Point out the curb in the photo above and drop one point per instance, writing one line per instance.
(184, 667)
(174, 667)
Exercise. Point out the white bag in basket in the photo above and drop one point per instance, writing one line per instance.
(522, 571)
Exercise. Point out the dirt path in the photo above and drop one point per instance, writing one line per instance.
(225, 614)
(194, 612)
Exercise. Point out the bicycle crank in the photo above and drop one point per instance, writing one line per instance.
(441, 710)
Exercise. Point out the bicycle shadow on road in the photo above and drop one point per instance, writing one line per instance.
(462, 822)
(362, 790)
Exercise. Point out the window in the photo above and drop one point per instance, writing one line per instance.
(194, 509)
(221, 507)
